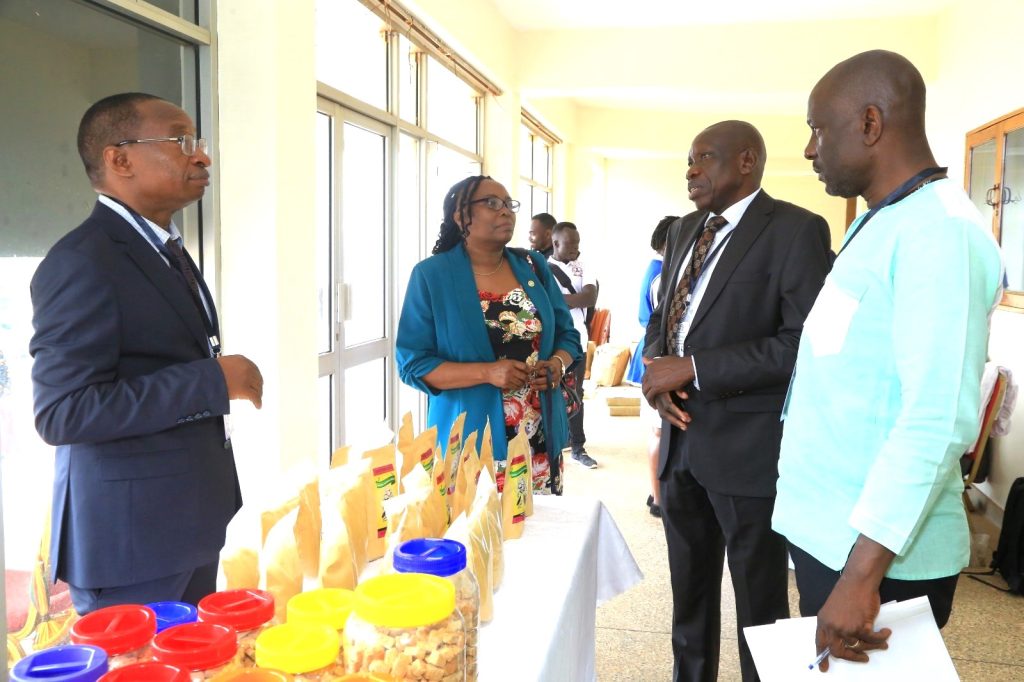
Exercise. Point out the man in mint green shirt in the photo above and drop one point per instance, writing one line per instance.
(885, 396)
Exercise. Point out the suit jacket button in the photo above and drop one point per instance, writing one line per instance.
(206, 413)
(227, 444)
(181, 420)
(190, 418)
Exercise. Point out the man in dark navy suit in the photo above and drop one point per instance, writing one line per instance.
(740, 275)
(128, 379)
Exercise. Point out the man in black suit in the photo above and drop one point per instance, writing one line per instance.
(740, 275)
(129, 383)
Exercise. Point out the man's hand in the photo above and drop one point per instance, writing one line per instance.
(508, 375)
(665, 374)
(671, 412)
(243, 379)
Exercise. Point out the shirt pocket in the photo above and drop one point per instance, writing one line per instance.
(828, 323)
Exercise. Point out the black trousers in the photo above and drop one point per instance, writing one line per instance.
(815, 581)
(577, 439)
(189, 587)
(700, 527)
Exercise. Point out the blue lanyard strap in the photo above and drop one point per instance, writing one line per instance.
(898, 194)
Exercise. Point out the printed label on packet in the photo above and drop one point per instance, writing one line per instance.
(427, 460)
(519, 474)
(385, 480)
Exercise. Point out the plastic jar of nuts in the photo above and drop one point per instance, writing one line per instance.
(148, 672)
(70, 663)
(447, 559)
(405, 625)
(171, 613)
(204, 649)
(307, 651)
(124, 632)
(249, 612)
(327, 606)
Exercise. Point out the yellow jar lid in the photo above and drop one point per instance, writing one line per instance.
(326, 606)
(297, 647)
(405, 600)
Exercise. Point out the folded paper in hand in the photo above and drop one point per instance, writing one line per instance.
(782, 651)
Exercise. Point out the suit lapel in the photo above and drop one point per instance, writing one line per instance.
(683, 238)
(753, 222)
(162, 276)
(467, 302)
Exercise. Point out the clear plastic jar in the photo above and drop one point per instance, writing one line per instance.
(249, 612)
(406, 626)
(447, 559)
(307, 651)
(68, 663)
(171, 613)
(148, 672)
(327, 606)
(204, 649)
(124, 632)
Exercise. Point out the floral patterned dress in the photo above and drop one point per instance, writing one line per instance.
(514, 330)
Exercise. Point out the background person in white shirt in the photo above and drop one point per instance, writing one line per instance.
(580, 290)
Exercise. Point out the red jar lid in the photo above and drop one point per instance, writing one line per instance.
(195, 646)
(147, 672)
(241, 609)
(116, 629)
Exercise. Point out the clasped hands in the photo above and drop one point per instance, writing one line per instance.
(511, 375)
(665, 377)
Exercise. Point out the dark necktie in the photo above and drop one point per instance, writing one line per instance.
(681, 299)
(180, 262)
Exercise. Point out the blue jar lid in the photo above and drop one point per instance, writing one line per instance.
(69, 663)
(430, 555)
(171, 613)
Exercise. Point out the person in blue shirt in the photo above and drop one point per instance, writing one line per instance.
(485, 330)
(886, 392)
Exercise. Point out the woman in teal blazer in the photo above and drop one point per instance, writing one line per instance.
(485, 330)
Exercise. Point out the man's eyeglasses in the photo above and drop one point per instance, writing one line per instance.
(190, 144)
(495, 204)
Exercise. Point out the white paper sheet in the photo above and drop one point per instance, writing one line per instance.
(784, 650)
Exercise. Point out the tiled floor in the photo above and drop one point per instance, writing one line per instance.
(985, 635)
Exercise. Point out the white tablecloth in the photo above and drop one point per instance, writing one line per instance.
(571, 558)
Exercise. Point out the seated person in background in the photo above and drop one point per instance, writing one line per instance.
(507, 366)
(580, 290)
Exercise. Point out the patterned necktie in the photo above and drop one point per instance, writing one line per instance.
(185, 268)
(681, 299)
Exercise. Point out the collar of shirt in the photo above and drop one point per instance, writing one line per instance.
(734, 213)
(162, 234)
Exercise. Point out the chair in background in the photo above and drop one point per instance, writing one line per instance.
(974, 463)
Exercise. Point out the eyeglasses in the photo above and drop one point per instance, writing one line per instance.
(495, 204)
(190, 144)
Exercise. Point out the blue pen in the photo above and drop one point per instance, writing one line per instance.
(821, 657)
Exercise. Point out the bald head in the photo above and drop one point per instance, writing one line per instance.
(738, 137)
(725, 164)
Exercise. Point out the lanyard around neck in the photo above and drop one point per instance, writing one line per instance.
(898, 194)
(209, 322)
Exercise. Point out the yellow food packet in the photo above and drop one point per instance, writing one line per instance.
(271, 515)
(339, 457)
(385, 482)
(239, 558)
(473, 534)
(529, 485)
(487, 504)
(466, 479)
(308, 525)
(419, 449)
(452, 452)
(346, 499)
(487, 450)
(413, 514)
(517, 484)
(281, 573)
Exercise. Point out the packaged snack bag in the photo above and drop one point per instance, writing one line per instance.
(419, 449)
(487, 504)
(517, 485)
(529, 485)
(239, 558)
(308, 526)
(347, 498)
(466, 479)
(274, 513)
(340, 457)
(385, 483)
(411, 516)
(487, 450)
(281, 573)
(452, 452)
(475, 538)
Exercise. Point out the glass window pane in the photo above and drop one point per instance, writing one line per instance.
(541, 201)
(526, 197)
(540, 161)
(325, 427)
(324, 213)
(411, 242)
(525, 152)
(351, 53)
(1012, 197)
(186, 9)
(67, 55)
(983, 176)
(407, 80)
(363, 215)
(451, 106)
(365, 400)
(446, 167)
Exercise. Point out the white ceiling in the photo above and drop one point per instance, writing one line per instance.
(578, 14)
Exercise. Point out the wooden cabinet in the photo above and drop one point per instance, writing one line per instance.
(994, 179)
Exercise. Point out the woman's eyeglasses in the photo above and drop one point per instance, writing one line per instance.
(495, 204)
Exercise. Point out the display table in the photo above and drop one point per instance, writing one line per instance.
(571, 558)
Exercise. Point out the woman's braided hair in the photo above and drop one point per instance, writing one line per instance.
(457, 199)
